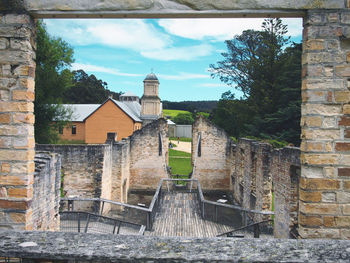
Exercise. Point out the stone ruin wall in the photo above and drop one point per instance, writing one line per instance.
(210, 151)
(110, 170)
(46, 194)
(149, 155)
(43, 209)
(324, 184)
(252, 171)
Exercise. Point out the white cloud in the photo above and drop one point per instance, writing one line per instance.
(135, 34)
(179, 53)
(219, 29)
(183, 76)
(94, 68)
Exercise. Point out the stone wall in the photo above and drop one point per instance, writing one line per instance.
(149, 155)
(252, 170)
(17, 70)
(109, 170)
(324, 210)
(86, 170)
(46, 194)
(44, 205)
(261, 173)
(210, 152)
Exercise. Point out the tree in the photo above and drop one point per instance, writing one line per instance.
(184, 118)
(52, 77)
(87, 89)
(258, 64)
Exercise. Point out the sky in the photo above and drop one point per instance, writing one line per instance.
(122, 52)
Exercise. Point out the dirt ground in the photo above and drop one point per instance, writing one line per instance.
(182, 146)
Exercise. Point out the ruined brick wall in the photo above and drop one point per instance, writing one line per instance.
(17, 69)
(85, 169)
(46, 191)
(325, 175)
(120, 171)
(210, 152)
(262, 172)
(149, 155)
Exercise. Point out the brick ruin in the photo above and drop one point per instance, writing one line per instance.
(111, 170)
(253, 171)
(324, 189)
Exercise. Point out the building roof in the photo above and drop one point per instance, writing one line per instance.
(133, 114)
(151, 76)
(128, 94)
(170, 122)
(83, 111)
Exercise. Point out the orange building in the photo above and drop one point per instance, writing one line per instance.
(92, 122)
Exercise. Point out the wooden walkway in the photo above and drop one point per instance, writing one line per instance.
(179, 215)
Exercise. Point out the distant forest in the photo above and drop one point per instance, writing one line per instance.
(192, 106)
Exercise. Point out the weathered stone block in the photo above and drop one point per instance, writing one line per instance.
(312, 172)
(314, 197)
(319, 184)
(346, 209)
(25, 70)
(342, 71)
(319, 209)
(328, 197)
(343, 171)
(16, 107)
(5, 167)
(16, 19)
(329, 221)
(344, 121)
(16, 155)
(321, 109)
(319, 159)
(5, 118)
(18, 205)
(342, 96)
(3, 193)
(343, 197)
(342, 146)
(320, 134)
(342, 221)
(310, 220)
(4, 43)
(24, 118)
(314, 44)
(26, 192)
(23, 95)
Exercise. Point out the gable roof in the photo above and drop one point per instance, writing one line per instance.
(83, 111)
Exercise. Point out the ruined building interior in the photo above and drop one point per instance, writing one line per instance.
(309, 186)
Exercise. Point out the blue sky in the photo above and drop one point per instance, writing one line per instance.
(122, 52)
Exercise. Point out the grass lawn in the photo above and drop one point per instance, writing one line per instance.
(178, 153)
(173, 113)
(181, 166)
(180, 162)
(60, 141)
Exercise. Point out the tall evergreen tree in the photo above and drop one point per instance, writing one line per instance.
(258, 64)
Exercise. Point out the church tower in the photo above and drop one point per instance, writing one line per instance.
(150, 101)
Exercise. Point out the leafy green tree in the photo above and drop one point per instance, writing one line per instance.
(258, 64)
(52, 78)
(87, 89)
(184, 118)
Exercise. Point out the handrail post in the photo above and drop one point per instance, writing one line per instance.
(149, 221)
(257, 231)
(101, 210)
(78, 222)
(244, 218)
(203, 214)
(216, 213)
(87, 223)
